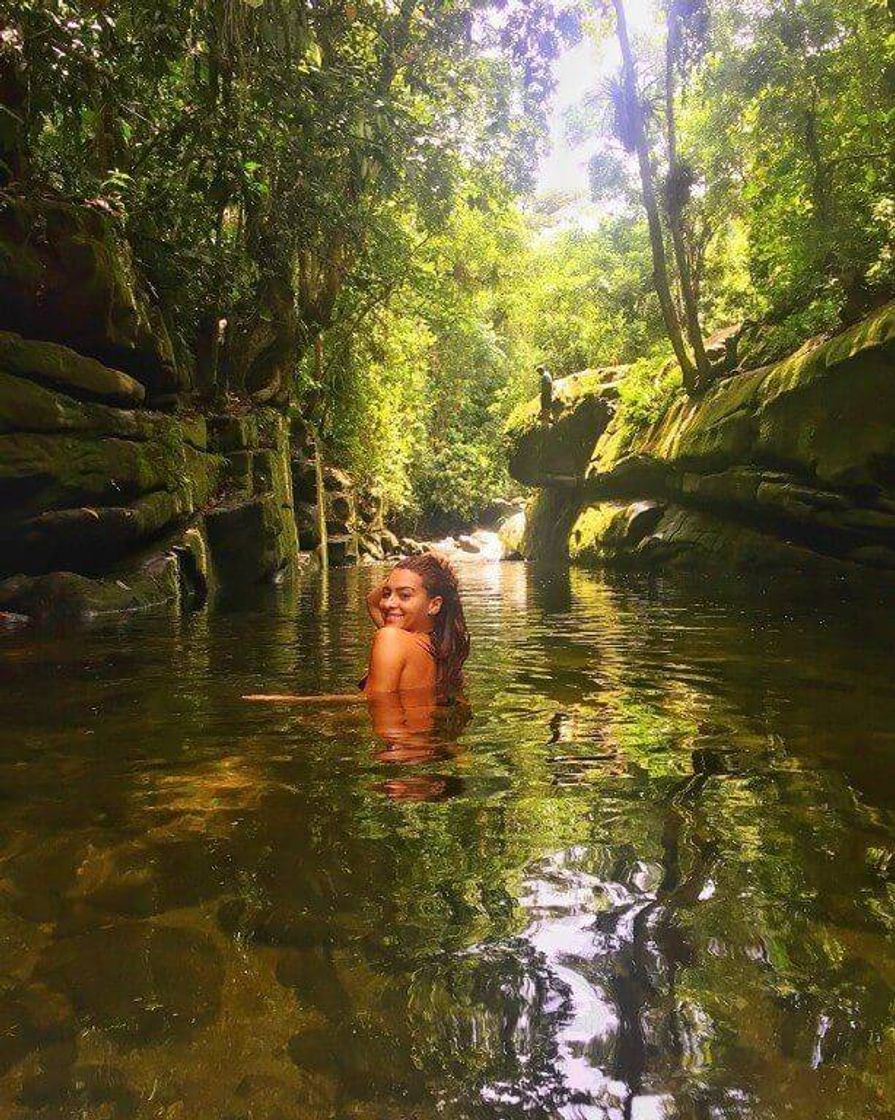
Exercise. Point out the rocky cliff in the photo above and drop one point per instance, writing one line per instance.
(789, 464)
(120, 485)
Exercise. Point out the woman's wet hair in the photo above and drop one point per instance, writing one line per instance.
(450, 637)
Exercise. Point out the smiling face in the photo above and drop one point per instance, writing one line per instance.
(405, 602)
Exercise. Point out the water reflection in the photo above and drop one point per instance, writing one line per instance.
(653, 876)
(414, 730)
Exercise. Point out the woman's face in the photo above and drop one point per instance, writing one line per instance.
(405, 602)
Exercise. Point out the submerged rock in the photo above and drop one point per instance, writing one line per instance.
(137, 981)
(67, 595)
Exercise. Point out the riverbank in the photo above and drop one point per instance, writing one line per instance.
(790, 464)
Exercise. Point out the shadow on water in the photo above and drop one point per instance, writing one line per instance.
(648, 871)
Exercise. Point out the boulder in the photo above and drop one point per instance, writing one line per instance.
(304, 479)
(74, 501)
(40, 472)
(721, 348)
(545, 454)
(613, 531)
(390, 542)
(66, 276)
(512, 535)
(249, 541)
(371, 547)
(306, 525)
(797, 458)
(58, 596)
(26, 406)
(336, 481)
(496, 512)
(233, 433)
(62, 368)
(341, 550)
(86, 538)
(369, 508)
(138, 982)
(339, 509)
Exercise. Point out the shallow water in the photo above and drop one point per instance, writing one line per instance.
(648, 874)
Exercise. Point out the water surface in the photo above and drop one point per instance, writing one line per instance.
(647, 874)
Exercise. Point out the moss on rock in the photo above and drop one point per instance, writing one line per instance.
(66, 276)
(60, 366)
(797, 458)
(582, 406)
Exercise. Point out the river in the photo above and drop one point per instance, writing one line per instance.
(648, 872)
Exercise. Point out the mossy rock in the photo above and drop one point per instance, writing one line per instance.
(26, 406)
(512, 535)
(108, 973)
(203, 474)
(612, 531)
(66, 276)
(273, 428)
(541, 449)
(82, 502)
(69, 595)
(233, 433)
(40, 472)
(840, 429)
(250, 541)
(86, 539)
(239, 473)
(802, 449)
(549, 520)
(827, 411)
(61, 367)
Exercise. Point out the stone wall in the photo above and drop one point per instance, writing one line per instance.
(251, 530)
(789, 464)
(117, 491)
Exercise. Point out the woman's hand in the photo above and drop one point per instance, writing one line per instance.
(374, 598)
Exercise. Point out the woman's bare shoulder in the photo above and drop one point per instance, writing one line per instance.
(390, 639)
(391, 635)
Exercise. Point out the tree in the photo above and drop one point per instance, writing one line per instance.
(250, 147)
(631, 131)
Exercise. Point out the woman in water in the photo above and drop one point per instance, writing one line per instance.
(421, 639)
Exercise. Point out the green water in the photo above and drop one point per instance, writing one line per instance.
(649, 873)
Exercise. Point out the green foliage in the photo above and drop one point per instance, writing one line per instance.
(252, 149)
(427, 370)
(791, 124)
(649, 386)
(358, 171)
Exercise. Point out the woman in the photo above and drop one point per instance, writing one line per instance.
(421, 639)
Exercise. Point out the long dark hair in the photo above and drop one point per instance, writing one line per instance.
(450, 637)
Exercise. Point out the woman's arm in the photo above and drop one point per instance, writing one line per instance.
(387, 660)
(288, 698)
(374, 597)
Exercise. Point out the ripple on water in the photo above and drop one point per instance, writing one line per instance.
(652, 876)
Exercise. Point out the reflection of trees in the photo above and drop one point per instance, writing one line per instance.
(646, 889)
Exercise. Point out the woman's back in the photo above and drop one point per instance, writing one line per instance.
(400, 660)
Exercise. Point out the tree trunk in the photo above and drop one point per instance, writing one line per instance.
(660, 267)
(673, 209)
(13, 112)
(323, 544)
